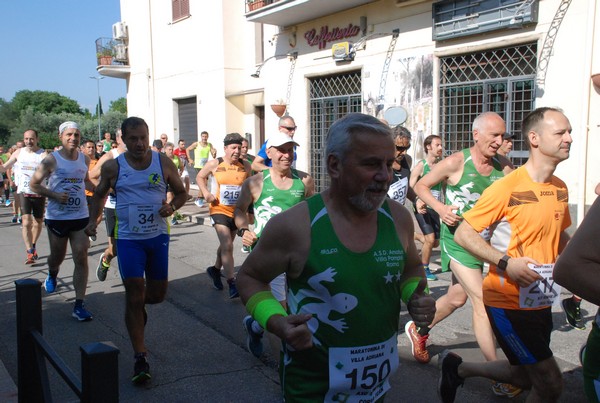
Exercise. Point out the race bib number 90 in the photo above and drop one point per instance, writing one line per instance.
(361, 374)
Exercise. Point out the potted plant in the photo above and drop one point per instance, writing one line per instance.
(279, 107)
(105, 56)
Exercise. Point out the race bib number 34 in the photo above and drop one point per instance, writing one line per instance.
(540, 293)
(360, 374)
(143, 219)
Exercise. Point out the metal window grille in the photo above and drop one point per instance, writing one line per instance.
(331, 98)
(498, 80)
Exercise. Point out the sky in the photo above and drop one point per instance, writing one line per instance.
(50, 45)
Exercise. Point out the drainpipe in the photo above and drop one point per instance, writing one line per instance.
(585, 112)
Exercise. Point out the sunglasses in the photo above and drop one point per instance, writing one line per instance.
(402, 148)
(290, 129)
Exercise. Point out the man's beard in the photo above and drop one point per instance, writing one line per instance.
(368, 204)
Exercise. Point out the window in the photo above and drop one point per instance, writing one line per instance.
(498, 80)
(180, 9)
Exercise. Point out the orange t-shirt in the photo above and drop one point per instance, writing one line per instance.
(528, 219)
(92, 165)
(229, 179)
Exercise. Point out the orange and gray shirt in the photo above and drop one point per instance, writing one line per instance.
(527, 219)
(229, 179)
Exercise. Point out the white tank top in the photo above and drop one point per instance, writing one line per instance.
(69, 176)
(140, 194)
(27, 163)
(111, 200)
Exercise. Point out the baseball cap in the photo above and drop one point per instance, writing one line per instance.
(508, 136)
(278, 139)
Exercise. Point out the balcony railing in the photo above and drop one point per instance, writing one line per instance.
(111, 52)
(290, 12)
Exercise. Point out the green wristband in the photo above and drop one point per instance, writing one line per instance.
(262, 306)
(408, 287)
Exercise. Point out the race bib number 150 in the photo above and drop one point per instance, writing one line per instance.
(360, 374)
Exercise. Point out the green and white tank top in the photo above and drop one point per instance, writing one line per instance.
(273, 200)
(355, 302)
(469, 188)
(436, 190)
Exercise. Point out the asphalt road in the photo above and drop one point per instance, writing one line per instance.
(195, 339)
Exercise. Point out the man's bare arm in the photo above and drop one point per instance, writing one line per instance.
(43, 171)
(578, 266)
(258, 164)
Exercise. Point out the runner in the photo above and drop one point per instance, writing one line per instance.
(229, 173)
(67, 213)
(350, 258)
(140, 178)
(529, 212)
(26, 160)
(272, 191)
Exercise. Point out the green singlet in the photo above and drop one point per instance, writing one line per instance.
(464, 195)
(273, 201)
(436, 190)
(355, 302)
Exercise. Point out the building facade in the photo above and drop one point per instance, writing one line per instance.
(431, 65)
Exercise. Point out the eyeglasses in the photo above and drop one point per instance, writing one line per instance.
(289, 128)
(402, 148)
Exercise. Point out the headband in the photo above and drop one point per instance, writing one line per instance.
(67, 125)
(232, 141)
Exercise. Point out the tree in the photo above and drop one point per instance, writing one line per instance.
(44, 102)
(119, 105)
(8, 118)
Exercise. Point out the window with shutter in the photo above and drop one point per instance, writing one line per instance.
(180, 9)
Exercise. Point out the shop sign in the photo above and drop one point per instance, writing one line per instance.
(325, 35)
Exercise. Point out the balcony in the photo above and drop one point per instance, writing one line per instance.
(112, 58)
(285, 13)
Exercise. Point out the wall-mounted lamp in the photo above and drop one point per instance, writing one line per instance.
(291, 56)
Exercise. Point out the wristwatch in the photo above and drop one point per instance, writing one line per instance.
(503, 263)
(241, 231)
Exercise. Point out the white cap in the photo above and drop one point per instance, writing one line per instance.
(279, 139)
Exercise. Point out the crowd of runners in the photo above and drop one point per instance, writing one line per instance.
(332, 291)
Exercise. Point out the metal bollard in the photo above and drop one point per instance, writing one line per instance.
(31, 371)
(99, 372)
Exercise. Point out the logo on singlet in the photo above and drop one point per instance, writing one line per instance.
(546, 193)
(154, 178)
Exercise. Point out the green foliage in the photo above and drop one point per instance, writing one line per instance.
(44, 101)
(7, 118)
(47, 125)
(119, 105)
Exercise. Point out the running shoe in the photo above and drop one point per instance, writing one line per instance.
(92, 238)
(50, 284)
(173, 221)
(253, 339)
(7, 203)
(30, 258)
(81, 314)
(505, 389)
(199, 202)
(573, 312)
(35, 255)
(417, 342)
(449, 378)
(15, 218)
(245, 249)
(20, 220)
(430, 275)
(102, 268)
(233, 291)
(215, 274)
(141, 371)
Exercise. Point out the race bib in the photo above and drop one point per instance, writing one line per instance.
(229, 194)
(361, 374)
(143, 218)
(73, 203)
(540, 293)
